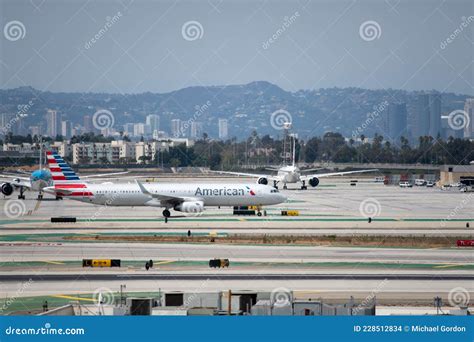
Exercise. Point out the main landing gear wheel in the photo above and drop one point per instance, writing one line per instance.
(166, 213)
(285, 187)
(259, 213)
(304, 187)
(21, 196)
(275, 184)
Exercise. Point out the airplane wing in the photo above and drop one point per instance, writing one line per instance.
(157, 198)
(15, 180)
(314, 169)
(322, 175)
(57, 191)
(253, 175)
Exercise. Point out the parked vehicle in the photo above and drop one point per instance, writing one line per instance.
(405, 185)
(430, 184)
(420, 182)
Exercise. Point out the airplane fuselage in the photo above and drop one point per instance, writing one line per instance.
(289, 174)
(210, 194)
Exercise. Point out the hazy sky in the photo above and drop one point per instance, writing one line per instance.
(323, 44)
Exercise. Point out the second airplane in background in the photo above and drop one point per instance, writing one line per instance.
(289, 174)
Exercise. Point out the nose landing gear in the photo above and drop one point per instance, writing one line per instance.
(303, 186)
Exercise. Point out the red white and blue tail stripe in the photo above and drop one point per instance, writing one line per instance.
(60, 170)
(65, 180)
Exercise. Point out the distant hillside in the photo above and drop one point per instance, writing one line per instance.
(247, 107)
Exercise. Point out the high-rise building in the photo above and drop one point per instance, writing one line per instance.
(66, 128)
(87, 123)
(128, 129)
(435, 114)
(9, 123)
(396, 122)
(196, 129)
(176, 128)
(52, 122)
(153, 121)
(421, 116)
(469, 120)
(140, 129)
(223, 128)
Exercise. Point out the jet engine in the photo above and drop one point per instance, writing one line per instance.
(262, 180)
(313, 182)
(190, 207)
(7, 189)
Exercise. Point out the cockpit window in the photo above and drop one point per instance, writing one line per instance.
(274, 190)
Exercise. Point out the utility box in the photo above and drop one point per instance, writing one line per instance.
(140, 306)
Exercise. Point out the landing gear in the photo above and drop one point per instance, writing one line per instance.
(275, 184)
(59, 198)
(21, 196)
(285, 187)
(259, 213)
(40, 196)
(303, 186)
(166, 213)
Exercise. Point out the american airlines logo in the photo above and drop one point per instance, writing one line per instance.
(222, 192)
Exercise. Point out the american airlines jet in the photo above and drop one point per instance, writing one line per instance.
(183, 197)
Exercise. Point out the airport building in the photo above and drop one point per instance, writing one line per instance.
(451, 174)
(246, 302)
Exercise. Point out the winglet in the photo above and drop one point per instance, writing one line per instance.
(143, 189)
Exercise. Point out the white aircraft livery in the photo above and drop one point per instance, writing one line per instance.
(187, 197)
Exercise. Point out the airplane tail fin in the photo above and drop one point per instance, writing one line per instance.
(60, 170)
(65, 181)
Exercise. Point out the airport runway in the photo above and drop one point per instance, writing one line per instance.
(334, 208)
(144, 251)
(333, 204)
